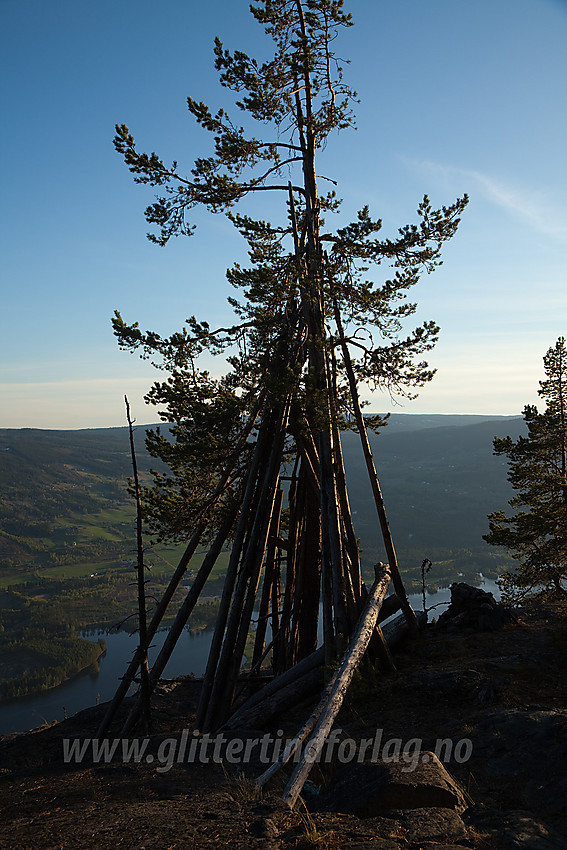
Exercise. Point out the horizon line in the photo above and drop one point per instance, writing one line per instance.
(158, 422)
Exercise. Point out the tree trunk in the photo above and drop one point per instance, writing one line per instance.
(230, 577)
(177, 576)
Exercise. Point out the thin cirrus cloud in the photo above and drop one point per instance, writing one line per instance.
(534, 208)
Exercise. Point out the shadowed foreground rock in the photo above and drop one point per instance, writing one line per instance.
(370, 790)
(473, 609)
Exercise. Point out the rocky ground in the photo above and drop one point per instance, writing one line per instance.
(498, 697)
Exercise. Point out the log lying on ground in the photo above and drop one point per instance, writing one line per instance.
(294, 674)
(310, 684)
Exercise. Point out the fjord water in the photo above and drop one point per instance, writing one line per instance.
(190, 656)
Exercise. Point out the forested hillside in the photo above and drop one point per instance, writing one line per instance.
(439, 482)
(54, 486)
(65, 500)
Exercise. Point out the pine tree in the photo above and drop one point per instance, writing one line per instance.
(536, 534)
(311, 327)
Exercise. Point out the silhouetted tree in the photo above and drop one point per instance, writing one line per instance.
(536, 534)
(311, 327)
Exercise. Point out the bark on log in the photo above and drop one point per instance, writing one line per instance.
(248, 712)
(292, 746)
(335, 693)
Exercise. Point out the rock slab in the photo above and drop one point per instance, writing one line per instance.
(372, 789)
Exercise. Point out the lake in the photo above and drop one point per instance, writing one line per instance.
(190, 656)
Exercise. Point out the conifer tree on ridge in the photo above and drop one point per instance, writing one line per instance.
(311, 327)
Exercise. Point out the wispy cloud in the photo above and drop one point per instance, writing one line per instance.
(535, 207)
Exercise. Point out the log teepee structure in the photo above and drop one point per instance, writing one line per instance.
(276, 487)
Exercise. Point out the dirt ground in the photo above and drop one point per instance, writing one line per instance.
(504, 691)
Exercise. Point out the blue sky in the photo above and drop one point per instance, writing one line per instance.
(455, 97)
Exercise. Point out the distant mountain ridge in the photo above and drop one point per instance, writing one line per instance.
(420, 421)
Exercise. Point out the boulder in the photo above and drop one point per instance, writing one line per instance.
(372, 789)
(473, 609)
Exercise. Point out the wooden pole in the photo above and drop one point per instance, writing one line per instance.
(141, 578)
(346, 516)
(307, 611)
(333, 550)
(234, 639)
(374, 482)
(336, 691)
(177, 576)
(321, 720)
(232, 571)
(183, 615)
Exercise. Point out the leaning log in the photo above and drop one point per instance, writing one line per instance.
(322, 717)
(332, 701)
(374, 482)
(396, 631)
(245, 714)
(182, 617)
(302, 681)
